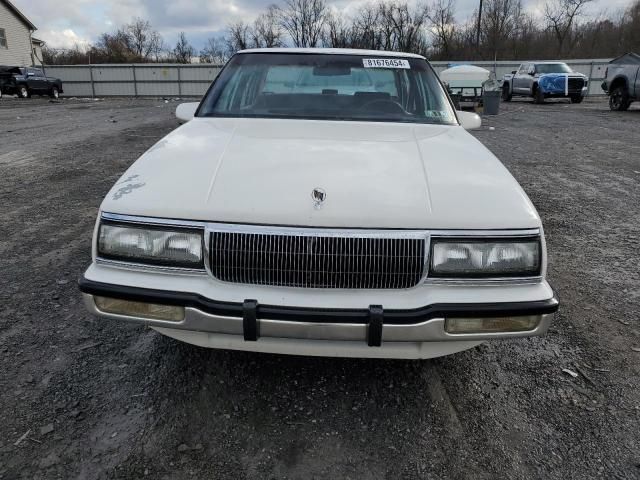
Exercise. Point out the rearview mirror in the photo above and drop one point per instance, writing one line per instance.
(186, 111)
(469, 120)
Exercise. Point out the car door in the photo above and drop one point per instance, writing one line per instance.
(37, 80)
(32, 80)
(520, 80)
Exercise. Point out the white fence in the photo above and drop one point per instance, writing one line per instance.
(171, 80)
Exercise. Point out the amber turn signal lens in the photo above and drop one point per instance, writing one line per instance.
(492, 325)
(139, 309)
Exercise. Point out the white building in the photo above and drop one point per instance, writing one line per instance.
(17, 45)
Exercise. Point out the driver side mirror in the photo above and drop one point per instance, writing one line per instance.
(186, 111)
(469, 120)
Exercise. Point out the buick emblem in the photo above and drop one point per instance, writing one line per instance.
(319, 196)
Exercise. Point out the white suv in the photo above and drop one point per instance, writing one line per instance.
(322, 202)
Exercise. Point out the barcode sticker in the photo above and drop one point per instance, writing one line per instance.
(385, 63)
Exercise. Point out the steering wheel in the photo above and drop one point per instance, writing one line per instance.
(391, 106)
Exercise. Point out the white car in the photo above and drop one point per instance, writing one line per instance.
(331, 222)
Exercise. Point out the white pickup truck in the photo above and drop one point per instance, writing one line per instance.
(541, 80)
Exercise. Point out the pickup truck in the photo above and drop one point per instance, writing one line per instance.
(622, 81)
(25, 81)
(542, 80)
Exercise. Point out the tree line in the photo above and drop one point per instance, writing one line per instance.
(500, 30)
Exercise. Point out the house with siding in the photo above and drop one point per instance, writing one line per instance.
(17, 45)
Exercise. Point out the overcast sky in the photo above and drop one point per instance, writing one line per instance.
(67, 22)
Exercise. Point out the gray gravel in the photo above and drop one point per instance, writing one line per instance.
(103, 400)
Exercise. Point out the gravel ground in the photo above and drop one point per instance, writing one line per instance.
(88, 399)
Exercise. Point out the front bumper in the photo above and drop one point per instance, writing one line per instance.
(251, 325)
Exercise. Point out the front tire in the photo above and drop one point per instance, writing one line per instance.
(54, 93)
(23, 92)
(619, 99)
(506, 93)
(577, 99)
(538, 96)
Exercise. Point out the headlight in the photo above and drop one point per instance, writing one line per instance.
(485, 258)
(151, 245)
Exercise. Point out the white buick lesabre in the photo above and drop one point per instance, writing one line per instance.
(322, 202)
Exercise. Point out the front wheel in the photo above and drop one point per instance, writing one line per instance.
(23, 92)
(538, 96)
(506, 94)
(577, 99)
(619, 99)
(55, 93)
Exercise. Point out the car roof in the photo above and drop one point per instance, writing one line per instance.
(334, 51)
(548, 62)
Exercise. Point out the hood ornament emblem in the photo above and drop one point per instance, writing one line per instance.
(319, 196)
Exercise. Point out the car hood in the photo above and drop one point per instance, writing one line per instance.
(557, 75)
(375, 175)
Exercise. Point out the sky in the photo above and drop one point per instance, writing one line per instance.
(68, 22)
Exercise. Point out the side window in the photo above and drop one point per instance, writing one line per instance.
(523, 68)
(3, 38)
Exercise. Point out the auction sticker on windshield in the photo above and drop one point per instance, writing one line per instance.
(385, 63)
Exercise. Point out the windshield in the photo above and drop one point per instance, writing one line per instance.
(328, 87)
(553, 68)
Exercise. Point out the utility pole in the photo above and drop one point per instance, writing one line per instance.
(479, 21)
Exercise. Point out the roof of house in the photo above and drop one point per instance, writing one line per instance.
(332, 51)
(19, 14)
(37, 41)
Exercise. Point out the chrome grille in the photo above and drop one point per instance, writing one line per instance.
(317, 261)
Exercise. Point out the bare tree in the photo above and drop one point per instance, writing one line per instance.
(113, 48)
(143, 39)
(238, 37)
(158, 48)
(443, 26)
(338, 32)
(304, 21)
(267, 31)
(507, 33)
(499, 20)
(183, 51)
(367, 32)
(215, 51)
(561, 16)
(403, 27)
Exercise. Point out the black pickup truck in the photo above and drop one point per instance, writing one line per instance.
(27, 81)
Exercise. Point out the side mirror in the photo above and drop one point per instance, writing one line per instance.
(513, 72)
(469, 120)
(186, 111)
